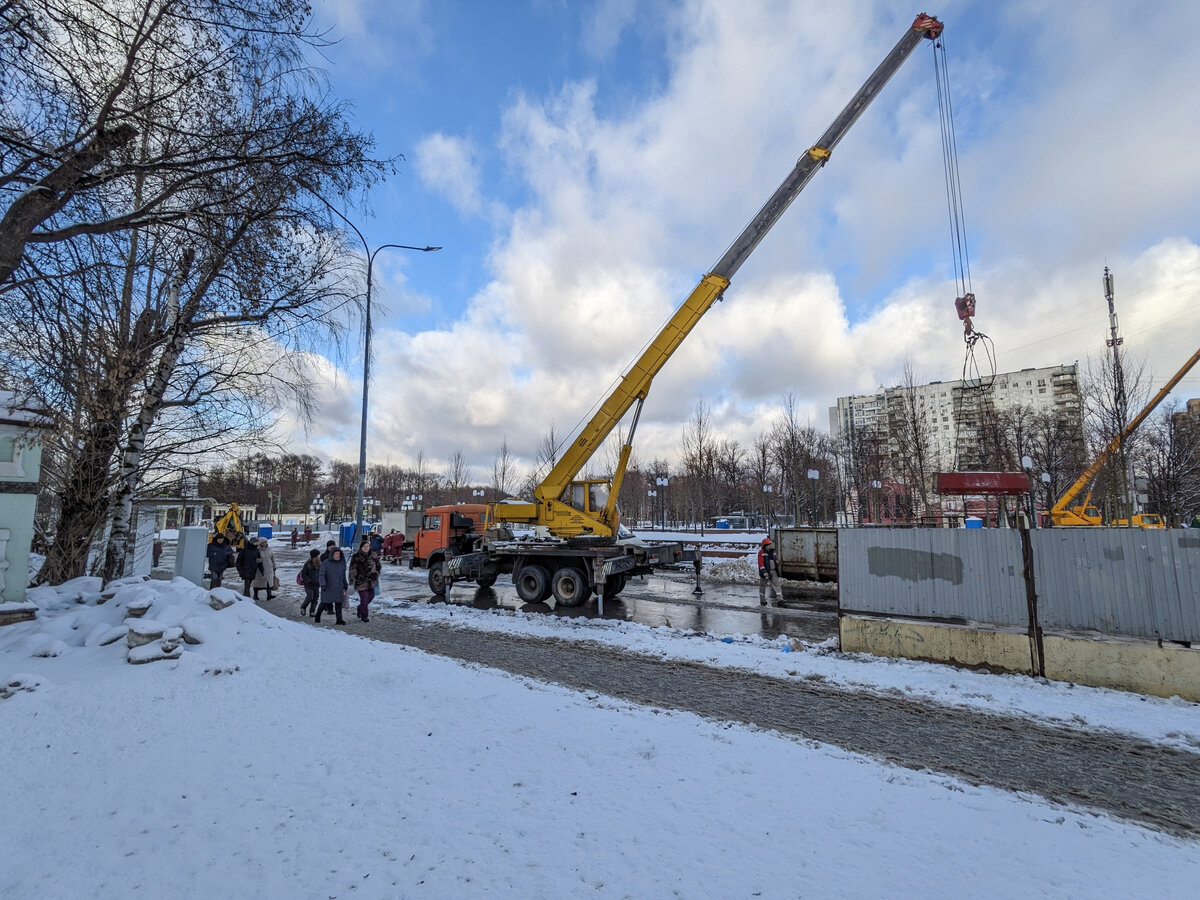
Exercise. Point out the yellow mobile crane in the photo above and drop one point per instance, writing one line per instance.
(1062, 513)
(579, 512)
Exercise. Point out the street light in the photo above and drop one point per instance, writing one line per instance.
(362, 441)
(651, 495)
(877, 485)
(662, 481)
(813, 475)
(1027, 465)
(1046, 482)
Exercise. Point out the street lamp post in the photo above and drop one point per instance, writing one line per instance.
(651, 494)
(1046, 484)
(362, 441)
(813, 475)
(662, 481)
(877, 485)
(767, 512)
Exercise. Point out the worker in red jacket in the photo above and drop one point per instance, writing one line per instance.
(768, 572)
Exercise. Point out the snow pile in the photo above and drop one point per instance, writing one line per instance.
(133, 620)
(329, 766)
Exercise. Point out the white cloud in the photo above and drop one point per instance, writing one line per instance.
(447, 166)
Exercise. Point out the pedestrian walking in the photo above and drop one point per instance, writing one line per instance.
(295, 537)
(768, 572)
(248, 566)
(329, 545)
(364, 575)
(156, 550)
(310, 577)
(220, 558)
(376, 540)
(266, 579)
(332, 581)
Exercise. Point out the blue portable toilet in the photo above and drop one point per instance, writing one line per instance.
(972, 522)
(266, 531)
(346, 534)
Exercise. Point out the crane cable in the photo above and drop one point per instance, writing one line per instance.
(974, 376)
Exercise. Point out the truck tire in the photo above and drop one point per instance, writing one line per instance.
(485, 581)
(437, 578)
(570, 586)
(533, 584)
(613, 585)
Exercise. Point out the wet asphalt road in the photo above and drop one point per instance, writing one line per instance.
(1126, 777)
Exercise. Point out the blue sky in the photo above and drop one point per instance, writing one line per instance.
(583, 164)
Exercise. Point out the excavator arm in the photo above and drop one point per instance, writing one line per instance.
(568, 507)
(1062, 513)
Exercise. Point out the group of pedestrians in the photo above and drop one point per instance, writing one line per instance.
(327, 579)
(254, 563)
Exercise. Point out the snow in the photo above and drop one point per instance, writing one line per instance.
(275, 759)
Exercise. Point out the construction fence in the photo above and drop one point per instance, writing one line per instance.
(1120, 582)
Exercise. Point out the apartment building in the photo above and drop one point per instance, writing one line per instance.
(954, 412)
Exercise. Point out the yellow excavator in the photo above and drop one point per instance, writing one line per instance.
(1062, 513)
(230, 525)
(581, 547)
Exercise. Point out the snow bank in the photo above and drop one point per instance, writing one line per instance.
(276, 759)
(133, 620)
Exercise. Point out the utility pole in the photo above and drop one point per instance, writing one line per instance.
(1122, 403)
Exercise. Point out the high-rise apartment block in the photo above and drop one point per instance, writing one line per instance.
(952, 413)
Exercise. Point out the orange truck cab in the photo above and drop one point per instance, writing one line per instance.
(447, 531)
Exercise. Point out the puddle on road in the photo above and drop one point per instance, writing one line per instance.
(654, 601)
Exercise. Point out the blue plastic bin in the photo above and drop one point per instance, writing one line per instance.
(346, 534)
(973, 522)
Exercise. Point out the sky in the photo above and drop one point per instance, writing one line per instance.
(376, 770)
(584, 164)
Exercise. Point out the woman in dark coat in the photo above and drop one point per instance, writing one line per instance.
(248, 565)
(364, 575)
(310, 577)
(332, 580)
(220, 558)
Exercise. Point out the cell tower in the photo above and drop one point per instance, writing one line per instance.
(1115, 342)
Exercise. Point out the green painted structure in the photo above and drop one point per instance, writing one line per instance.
(21, 428)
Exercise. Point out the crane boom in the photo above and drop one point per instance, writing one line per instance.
(583, 513)
(1061, 513)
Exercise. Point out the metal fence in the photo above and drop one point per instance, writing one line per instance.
(955, 575)
(1116, 581)
(1125, 581)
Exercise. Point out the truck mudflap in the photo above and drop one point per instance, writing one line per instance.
(465, 567)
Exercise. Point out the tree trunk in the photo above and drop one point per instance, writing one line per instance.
(131, 459)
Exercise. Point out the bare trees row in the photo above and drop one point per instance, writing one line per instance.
(164, 245)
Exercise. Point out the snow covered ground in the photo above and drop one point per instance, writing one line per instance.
(274, 759)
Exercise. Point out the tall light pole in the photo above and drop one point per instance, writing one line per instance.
(362, 440)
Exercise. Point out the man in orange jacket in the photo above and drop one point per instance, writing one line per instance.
(768, 572)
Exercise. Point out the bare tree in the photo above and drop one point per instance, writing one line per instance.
(458, 475)
(224, 172)
(1113, 386)
(910, 430)
(504, 470)
(1170, 457)
(94, 91)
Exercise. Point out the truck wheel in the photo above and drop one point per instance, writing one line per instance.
(486, 580)
(613, 585)
(570, 586)
(437, 578)
(533, 584)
